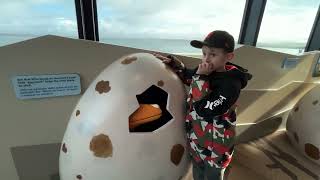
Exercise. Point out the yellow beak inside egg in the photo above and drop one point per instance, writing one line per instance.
(144, 114)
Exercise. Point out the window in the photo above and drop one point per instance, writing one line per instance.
(166, 26)
(21, 20)
(286, 25)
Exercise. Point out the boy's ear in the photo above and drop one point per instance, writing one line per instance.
(230, 56)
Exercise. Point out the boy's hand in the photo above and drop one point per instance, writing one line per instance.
(162, 58)
(205, 68)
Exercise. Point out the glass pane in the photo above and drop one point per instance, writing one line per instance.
(21, 20)
(166, 25)
(286, 25)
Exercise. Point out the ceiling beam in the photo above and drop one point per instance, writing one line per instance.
(251, 22)
(314, 37)
(87, 19)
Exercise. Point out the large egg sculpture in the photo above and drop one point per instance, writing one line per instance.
(128, 125)
(303, 125)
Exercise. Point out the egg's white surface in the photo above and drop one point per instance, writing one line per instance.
(135, 156)
(303, 125)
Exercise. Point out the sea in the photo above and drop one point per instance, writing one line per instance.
(174, 46)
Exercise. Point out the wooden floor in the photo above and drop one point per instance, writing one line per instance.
(239, 172)
(269, 158)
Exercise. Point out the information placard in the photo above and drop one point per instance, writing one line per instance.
(41, 86)
(290, 62)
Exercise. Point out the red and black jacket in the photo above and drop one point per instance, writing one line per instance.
(227, 84)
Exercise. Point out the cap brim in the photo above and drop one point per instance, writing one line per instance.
(198, 44)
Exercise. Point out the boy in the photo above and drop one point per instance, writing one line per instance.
(214, 89)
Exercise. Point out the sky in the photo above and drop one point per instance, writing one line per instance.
(283, 20)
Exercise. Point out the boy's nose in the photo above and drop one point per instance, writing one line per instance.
(205, 59)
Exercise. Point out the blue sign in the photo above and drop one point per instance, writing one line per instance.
(41, 86)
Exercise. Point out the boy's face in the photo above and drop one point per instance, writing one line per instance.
(217, 57)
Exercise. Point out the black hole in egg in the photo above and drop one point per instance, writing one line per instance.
(154, 95)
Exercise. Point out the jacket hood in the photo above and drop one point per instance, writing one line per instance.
(234, 72)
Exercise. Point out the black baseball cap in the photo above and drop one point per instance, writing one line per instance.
(216, 39)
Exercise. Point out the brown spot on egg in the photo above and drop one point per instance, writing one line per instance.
(177, 153)
(160, 83)
(312, 151)
(103, 87)
(315, 102)
(77, 113)
(129, 60)
(296, 109)
(79, 176)
(296, 137)
(101, 146)
(64, 148)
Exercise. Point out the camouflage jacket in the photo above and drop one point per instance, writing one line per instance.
(211, 118)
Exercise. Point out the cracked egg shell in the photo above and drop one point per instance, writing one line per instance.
(98, 144)
(303, 125)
